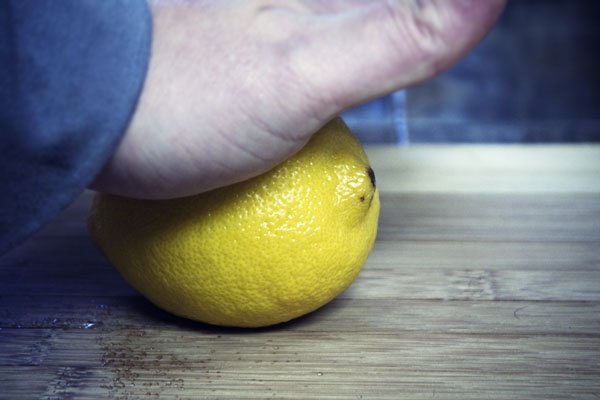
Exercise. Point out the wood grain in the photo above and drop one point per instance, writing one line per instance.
(537, 169)
(284, 363)
(484, 283)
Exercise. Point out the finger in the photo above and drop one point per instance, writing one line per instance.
(374, 49)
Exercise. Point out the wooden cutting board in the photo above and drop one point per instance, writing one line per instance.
(484, 283)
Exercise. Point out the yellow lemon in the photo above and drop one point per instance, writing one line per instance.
(255, 253)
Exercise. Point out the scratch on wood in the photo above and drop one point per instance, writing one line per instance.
(515, 313)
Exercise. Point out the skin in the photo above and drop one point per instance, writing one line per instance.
(235, 87)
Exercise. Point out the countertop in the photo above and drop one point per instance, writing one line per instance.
(484, 283)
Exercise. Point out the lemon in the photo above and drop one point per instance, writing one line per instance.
(255, 253)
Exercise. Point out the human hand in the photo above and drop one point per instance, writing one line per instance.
(235, 87)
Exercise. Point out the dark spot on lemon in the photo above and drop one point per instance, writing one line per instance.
(371, 176)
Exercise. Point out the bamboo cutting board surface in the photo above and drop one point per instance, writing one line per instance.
(484, 283)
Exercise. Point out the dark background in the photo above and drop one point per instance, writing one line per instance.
(534, 78)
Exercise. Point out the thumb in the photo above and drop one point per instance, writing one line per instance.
(368, 51)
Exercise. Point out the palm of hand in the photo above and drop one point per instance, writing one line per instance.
(235, 87)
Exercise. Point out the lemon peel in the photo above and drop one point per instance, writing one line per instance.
(256, 253)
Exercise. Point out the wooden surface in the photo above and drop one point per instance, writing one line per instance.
(484, 284)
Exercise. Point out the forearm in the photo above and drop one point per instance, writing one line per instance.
(70, 75)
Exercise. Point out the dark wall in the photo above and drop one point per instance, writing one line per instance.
(534, 78)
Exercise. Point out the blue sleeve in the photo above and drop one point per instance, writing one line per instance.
(71, 72)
